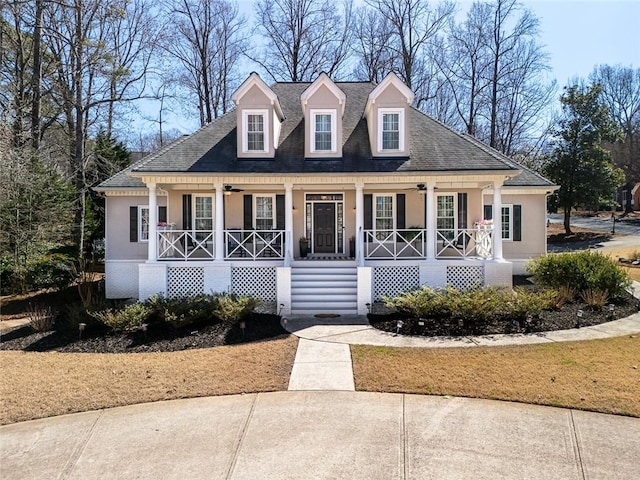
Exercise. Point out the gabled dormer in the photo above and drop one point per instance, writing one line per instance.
(323, 106)
(387, 114)
(259, 117)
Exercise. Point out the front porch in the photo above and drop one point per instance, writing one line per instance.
(321, 246)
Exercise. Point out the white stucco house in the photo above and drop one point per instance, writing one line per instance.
(386, 197)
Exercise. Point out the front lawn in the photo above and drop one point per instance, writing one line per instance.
(598, 375)
(36, 385)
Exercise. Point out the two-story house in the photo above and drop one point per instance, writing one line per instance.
(322, 197)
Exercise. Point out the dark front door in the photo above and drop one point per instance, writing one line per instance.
(324, 228)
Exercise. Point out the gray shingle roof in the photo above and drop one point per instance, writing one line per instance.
(433, 146)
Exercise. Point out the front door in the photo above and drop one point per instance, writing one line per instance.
(324, 228)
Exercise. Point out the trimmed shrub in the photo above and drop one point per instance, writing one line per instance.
(130, 317)
(182, 311)
(474, 305)
(583, 271)
(231, 308)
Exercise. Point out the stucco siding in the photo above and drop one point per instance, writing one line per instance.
(118, 246)
(534, 230)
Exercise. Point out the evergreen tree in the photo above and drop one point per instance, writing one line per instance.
(579, 163)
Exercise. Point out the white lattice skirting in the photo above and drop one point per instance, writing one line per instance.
(463, 277)
(256, 281)
(390, 281)
(184, 281)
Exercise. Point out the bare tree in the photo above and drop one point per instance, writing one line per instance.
(462, 59)
(414, 24)
(209, 43)
(621, 94)
(372, 39)
(303, 38)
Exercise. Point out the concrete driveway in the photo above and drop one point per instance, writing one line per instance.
(324, 435)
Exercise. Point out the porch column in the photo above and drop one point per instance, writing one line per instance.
(431, 222)
(360, 223)
(153, 223)
(497, 221)
(219, 227)
(288, 223)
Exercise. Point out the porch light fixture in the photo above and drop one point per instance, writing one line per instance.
(228, 190)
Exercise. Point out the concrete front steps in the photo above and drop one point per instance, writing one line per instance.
(327, 287)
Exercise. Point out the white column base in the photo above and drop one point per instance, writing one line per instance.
(283, 289)
(365, 289)
(433, 274)
(217, 278)
(152, 280)
(498, 273)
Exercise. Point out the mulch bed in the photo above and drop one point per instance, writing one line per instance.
(158, 338)
(548, 320)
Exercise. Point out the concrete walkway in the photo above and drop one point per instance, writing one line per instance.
(324, 435)
(322, 366)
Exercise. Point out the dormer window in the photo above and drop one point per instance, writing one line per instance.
(391, 128)
(323, 128)
(255, 126)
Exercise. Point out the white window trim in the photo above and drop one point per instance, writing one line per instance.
(140, 209)
(139, 226)
(393, 209)
(255, 209)
(510, 208)
(455, 208)
(245, 129)
(401, 133)
(193, 210)
(334, 130)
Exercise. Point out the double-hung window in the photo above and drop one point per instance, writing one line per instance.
(264, 212)
(202, 216)
(507, 215)
(143, 223)
(391, 126)
(140, 222)
(383, 220)
(255, 127)
(323, 131)
(446, 215)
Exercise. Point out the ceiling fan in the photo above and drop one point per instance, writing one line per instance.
(421, 187)
(228, 190)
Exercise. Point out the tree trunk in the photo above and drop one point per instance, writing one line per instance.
(567, 220)
(37, 77)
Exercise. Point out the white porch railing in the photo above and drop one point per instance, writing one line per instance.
(411, 243)
(254, 244)
(463, 243)
(395, 244)
(185, 244)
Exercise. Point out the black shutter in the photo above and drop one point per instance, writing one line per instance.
(488, 212)
(162, 214)
(279, 212)
(462, 210)
(133, 224)
(400, 211)
(517, 223)
(186, 212)
(368, 212)
(248, 212)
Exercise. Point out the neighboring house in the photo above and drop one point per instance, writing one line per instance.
(386, 198)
